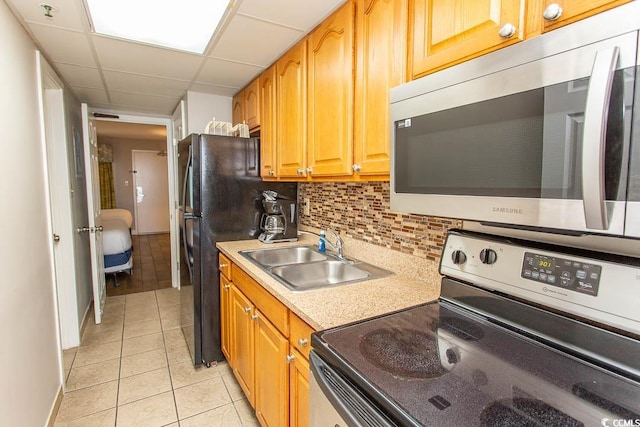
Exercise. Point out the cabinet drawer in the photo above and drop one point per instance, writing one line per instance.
(276, 312)
(224, 265)
(300, 337)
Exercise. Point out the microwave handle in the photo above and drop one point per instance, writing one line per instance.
(595, 138)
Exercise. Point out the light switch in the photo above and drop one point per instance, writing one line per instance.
(126, 183)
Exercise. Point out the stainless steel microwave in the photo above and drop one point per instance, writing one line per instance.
(543, 135)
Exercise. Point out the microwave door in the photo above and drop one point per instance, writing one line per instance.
(522, 147)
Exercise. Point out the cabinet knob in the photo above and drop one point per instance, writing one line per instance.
(227, 286)
(272, 172)
(356, 168)
(309, 170)
(300, 171)
(254, 316)
(552, 12)
(247, 309)
(223, 265)
(290, 357)
(507, 31)
(302, 342)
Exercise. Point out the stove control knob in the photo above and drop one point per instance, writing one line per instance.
(488, 256)
(458, 257)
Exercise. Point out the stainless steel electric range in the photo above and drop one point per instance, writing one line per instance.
(524, 334)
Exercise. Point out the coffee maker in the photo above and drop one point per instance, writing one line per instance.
(278, 222)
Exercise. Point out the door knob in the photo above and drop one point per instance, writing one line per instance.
(56, 238)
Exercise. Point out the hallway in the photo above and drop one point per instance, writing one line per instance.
(151, 266)
(134, 369)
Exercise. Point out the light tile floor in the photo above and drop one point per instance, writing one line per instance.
(134, 369)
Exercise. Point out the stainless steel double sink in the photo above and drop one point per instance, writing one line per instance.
(302, 268)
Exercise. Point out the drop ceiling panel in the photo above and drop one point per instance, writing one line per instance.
(118, 55)
(293, 13)
(134, 83)
(126, 100)
(254, 42)
(70, 47)
(213, 89)
(224, 73)
(76, 75)
(90, 95)
(67, 15)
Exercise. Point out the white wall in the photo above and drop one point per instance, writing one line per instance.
(203, 107)
(29, 355)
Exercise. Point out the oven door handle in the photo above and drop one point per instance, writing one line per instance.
(343, 397)
(594, 140)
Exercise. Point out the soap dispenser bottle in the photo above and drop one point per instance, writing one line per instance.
(322, 247)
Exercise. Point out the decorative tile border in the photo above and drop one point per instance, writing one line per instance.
(361, 210)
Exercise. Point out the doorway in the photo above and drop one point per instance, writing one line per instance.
(141, 180)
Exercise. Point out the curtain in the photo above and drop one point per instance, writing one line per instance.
(107, 186)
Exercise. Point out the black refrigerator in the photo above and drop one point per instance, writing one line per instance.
(220, 200)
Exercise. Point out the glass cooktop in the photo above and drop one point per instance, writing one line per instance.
(438, 364)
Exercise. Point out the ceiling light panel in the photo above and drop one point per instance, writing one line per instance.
(185, 24)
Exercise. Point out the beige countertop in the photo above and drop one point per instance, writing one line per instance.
(416, 281)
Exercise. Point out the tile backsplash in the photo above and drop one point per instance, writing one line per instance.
(361, 210)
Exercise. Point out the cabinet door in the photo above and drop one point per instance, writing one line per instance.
(381, 27)
(225, 318)
(271, 374)
(330, 85)
(251, 95)
(446, 32)
(563, 12)
(242, 342)
(299, 391)
(268, 123)
(291, 113)
(237, 108)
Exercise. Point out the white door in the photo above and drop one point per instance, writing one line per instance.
(179, 122)
(151, 191)
(95, 220)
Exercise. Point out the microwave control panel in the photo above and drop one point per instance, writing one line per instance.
(561, 272)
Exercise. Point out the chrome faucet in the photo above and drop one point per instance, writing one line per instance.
(338, 245)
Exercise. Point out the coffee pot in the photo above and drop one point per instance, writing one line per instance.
(278, 222)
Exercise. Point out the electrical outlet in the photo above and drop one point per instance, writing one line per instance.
(307, 206)
(126, 183)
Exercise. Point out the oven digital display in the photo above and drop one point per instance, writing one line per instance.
(564, 273)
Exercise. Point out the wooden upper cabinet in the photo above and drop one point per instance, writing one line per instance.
(548, 15)
(268, 135)
(291, 112)
(237, 108)
(446, 32)
(330, 90)
(251, 108)
(381, 27)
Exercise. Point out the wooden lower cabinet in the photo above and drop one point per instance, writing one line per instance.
(268, 349)
(271, 374)
(299, 391)
(225, 324)
(242, 342)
